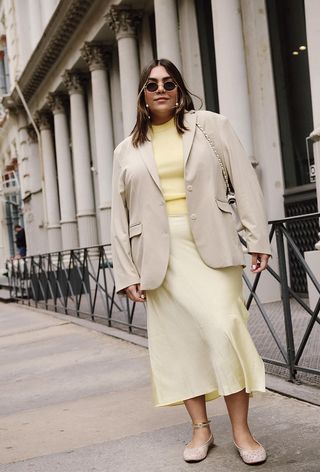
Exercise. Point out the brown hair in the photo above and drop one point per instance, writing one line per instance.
(185, 103)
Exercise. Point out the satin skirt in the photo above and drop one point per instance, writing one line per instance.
(197, 328)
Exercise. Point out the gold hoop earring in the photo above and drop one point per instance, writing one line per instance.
(178, 107)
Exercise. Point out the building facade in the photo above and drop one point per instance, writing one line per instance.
(69, 72)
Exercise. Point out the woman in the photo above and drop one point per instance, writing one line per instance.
(175, 247)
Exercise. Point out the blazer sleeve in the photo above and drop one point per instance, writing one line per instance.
(125, 272)
(247, 189)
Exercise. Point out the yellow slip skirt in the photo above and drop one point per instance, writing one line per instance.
(197, 328)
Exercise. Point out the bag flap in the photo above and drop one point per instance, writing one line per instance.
(224, 206)
(135, 230)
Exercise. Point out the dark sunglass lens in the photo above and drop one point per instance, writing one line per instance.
(169, 86)
(152, 86)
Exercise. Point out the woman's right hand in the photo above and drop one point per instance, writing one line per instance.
(135, 294)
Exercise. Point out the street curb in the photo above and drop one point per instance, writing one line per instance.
(92, 325)
(302, 392)
(7, 300)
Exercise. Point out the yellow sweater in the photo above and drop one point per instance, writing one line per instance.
(168, 154)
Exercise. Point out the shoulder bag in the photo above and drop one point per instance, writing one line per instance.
(230, 194)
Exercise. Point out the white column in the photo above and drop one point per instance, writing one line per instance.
(81, 161)
(25, 175)
(95, 56)
(22, 154)
(124, 22)
(167, 31)
(312, 11)
(94, 164)
(231, 69)
(50, 182)
(34, 161)
(35, 22)
(116, 102)
(68, 221)
(36, 230)
(263, 106)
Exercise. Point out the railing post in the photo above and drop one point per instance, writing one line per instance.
(286, 301)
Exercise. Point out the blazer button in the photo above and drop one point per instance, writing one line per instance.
(189, 188)
(193, 216)
(162, 203)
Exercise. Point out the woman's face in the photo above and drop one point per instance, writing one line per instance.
(161, 102)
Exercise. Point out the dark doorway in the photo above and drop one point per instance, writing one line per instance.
(207, 51)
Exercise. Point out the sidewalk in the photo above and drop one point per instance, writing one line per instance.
(75, 400)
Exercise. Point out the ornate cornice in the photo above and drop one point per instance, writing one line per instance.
(73, 81)
(124, 21)
(64, 22)
(32, 135)
(12, 106)
(42, 119)
(56, 102)
(96, 55)
(8, 103)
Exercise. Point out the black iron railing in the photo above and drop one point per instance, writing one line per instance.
(80, 282)
(76, 282)
(290, 352)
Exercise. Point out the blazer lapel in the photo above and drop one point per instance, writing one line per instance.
(187, 137)
(146, 152)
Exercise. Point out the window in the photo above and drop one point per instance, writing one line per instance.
(4, 70)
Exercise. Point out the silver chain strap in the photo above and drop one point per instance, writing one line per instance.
(213, 147)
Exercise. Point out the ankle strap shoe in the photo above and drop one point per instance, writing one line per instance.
(197, 454)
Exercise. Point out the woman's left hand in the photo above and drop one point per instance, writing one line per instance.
(259, 262)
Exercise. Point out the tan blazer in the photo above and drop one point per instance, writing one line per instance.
(139, 221)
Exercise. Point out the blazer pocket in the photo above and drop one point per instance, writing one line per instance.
(224, 206)
(135, 230)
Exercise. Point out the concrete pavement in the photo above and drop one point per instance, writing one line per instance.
(73, 399)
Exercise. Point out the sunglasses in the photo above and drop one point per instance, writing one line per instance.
(153, 86)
